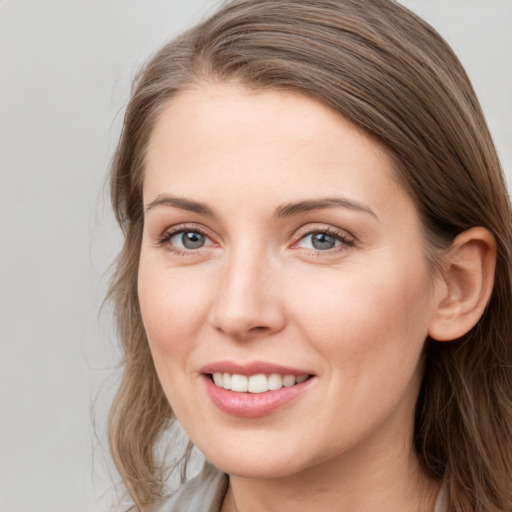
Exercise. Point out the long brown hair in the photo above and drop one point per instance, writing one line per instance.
(392, 75)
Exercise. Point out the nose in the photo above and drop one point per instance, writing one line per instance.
(248, 300)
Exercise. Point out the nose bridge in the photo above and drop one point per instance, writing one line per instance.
(246, 300)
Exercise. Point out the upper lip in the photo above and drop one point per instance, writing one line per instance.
(251, 368)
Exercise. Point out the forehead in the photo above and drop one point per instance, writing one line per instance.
(226, 138)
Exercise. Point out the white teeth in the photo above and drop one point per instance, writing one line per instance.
(239, 383)
(275, 381)
(226, 381)
(289, 380)
(259, 383)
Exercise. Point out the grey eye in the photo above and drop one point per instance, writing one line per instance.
(320, 241)
(189, 240)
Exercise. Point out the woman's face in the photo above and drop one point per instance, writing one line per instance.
(278, 247)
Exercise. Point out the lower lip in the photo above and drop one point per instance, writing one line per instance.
(252, 405)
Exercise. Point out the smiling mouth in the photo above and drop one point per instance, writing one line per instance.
(260, 383)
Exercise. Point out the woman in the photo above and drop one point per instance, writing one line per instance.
(315, 279)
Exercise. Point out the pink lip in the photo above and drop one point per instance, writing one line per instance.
(251, 405)
(253, 368)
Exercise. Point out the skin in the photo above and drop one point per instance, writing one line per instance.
(355, 316)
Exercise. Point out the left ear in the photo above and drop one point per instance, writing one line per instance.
(468, 278)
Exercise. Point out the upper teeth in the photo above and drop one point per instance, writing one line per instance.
(256, 383)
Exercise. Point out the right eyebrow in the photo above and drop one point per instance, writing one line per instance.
(181, 203)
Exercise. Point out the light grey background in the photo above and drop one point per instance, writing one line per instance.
(66, 68)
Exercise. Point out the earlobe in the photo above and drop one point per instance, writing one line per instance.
(468, 274)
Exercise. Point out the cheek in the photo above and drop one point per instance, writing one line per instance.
(173, 307)
(366, 316)
(369, 329)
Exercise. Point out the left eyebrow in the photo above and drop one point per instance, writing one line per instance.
(300, 207)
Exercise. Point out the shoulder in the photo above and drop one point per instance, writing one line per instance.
(204, 493)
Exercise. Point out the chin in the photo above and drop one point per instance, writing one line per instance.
(258, 460)
(261, 469)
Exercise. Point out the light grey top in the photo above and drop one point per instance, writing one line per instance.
(205, 493)
(442, 499)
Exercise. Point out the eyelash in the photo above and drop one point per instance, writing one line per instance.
(345, 240)
(169, 234)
